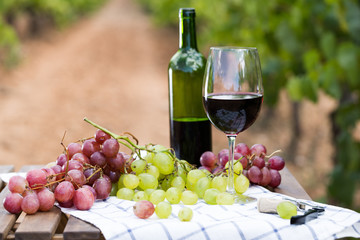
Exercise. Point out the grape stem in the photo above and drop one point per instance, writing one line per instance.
(272, 154)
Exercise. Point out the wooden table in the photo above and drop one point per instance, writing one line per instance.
(56, 225)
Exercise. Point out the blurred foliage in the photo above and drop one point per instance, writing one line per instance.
(305, 46)
(40, 14)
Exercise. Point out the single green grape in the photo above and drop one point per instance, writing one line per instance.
(146, 181)
(210, 196)
(178, 182)
(225, 198)
(241, 184)
(173, 195)
(153, 170)
(181, 171)
(286, 209)
(201, 186)
(138, 166)
(238, 168)
(163, 209)
(131, 181)
(219, 182)
(166, 183)
(190, 186)
(189, 197)
(149, 157)
(185, 214)
(125, 193)
(164, 163)
(157, 196)
(194, 175)
(121, 181)
(140, 195)
(159, 148)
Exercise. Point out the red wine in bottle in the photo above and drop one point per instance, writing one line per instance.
(190, 129)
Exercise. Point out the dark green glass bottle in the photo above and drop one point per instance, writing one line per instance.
(190, 129)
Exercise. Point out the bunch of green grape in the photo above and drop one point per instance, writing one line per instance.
(158, 176)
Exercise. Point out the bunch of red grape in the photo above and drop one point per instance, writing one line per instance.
(83, 173)
(257, 167)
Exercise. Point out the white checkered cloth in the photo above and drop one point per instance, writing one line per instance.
(116, 220)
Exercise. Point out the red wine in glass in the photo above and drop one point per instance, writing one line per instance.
(233, 113)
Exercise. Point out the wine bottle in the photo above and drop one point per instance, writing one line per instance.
(190, 129)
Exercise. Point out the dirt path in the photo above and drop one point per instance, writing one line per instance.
(110, 67)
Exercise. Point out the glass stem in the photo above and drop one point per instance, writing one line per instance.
(230, 185)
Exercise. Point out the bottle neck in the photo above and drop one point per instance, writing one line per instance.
(187, 33)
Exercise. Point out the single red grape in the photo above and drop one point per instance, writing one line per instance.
(276, 162)
(17, 184)
(36, 178)
(101, 136)
(143, 209)
(259, 162)
(275, 178)
(243, 149)
(83, 199)
(82, 158)
(12, 203)
(266, 179)
(255, 174)
(117, 163)
(46, 199)
(72, 164)
(208, 159)
(258, 150)
(61, 160)
(77, 177)
(73, 148)
(110, 147)
(92, 190)
(102, 187)
(64, 192)
(98, 159)
(30, 203)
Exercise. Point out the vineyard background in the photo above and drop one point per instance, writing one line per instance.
(111, 66)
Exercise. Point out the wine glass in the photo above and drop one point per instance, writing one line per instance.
(232, 96)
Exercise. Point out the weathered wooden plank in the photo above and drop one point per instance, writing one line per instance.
(7, 220)
(77, 229)
(290, 186)
(41, 225)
